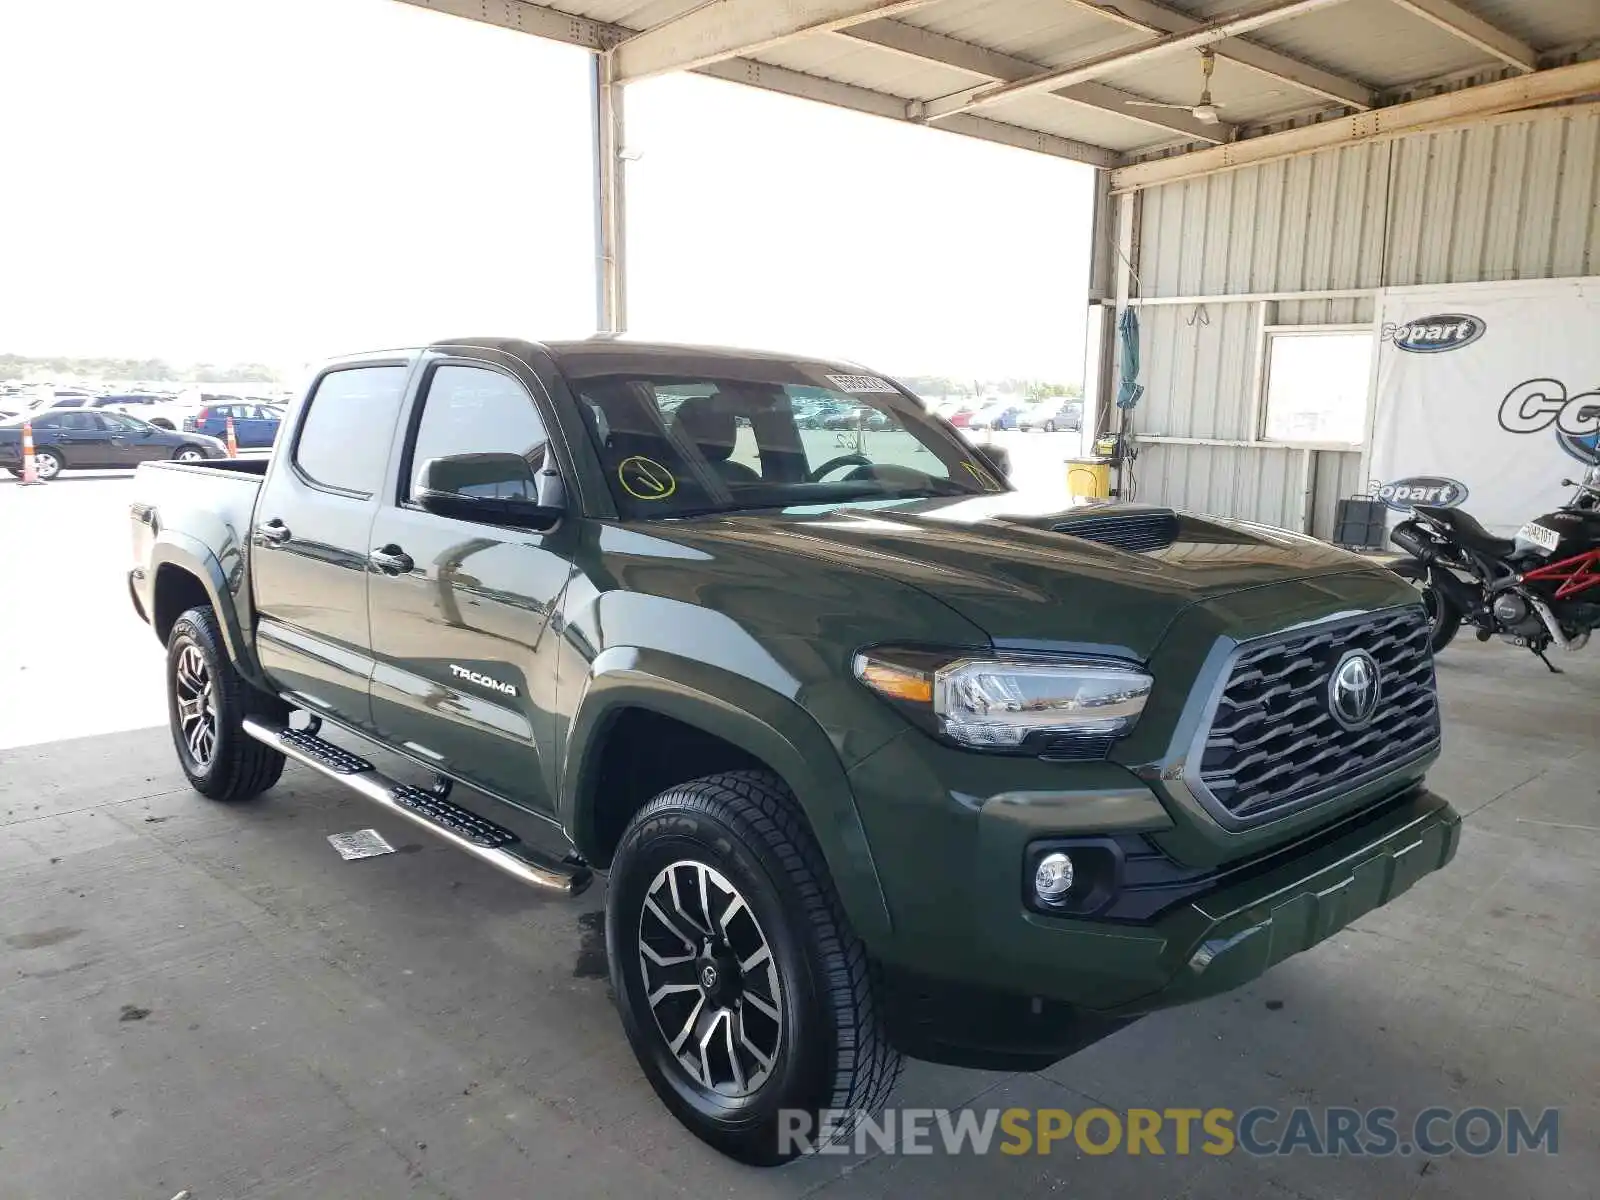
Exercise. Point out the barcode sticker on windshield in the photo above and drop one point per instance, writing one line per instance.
(859, 383)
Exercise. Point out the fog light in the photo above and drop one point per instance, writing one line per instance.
(1052, 878)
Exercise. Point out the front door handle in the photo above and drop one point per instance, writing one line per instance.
(274, 530)
(391, 560)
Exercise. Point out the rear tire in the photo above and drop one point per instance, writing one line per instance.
(47, 464)
(207, 702)
(1444, 618)
(770, 904)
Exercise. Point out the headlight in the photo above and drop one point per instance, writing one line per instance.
(1009, 704)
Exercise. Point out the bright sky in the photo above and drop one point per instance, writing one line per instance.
(280, 180)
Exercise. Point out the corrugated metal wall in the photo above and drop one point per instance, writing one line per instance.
(1509, 199)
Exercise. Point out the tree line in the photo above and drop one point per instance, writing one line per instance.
(155, 370)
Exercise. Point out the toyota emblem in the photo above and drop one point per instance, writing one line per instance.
(1354, 690)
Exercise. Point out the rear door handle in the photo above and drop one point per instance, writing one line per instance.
(274, 530)
(391, 560)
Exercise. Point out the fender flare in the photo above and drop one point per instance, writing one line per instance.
(762, 722)
(188, 554)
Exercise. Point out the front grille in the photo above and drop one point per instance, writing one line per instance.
(1273, 744)
(1134, 532)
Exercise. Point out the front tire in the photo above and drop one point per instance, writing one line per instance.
(207, 702)
(189, 454)
(1444, 618)
(721, 911)
(1049, 426)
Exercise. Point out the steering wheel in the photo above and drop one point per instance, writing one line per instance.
(833, 464)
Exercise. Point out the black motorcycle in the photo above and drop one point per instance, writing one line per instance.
(1538, 589)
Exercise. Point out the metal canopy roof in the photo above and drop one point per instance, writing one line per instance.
(1059, 76)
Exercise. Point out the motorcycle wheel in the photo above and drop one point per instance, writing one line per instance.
(1444, 618)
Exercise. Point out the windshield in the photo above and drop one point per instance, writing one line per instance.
(674, 447)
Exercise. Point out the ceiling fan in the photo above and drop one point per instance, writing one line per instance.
(1205, 111)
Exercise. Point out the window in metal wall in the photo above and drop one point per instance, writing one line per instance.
(1316, 383)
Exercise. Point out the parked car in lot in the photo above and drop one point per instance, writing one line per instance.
(87, 439)
(856, 416)
(878, 759)
(995, 416)
(815, 414)
(1052, 417)
(254, 425)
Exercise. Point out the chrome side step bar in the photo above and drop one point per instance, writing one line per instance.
(463, 829)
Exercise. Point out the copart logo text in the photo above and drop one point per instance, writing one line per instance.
(1538, 404)
(1434, 490)
(1436, 334)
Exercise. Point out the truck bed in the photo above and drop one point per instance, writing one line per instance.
(213, 503)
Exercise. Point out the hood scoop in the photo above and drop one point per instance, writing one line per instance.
(1134, 532)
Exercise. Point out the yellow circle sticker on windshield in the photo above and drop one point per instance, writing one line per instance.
(982, 476)
(645, 478)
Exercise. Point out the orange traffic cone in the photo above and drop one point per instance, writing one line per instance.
(233, 442)
(30, 473)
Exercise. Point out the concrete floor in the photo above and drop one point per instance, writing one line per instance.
(207, 998)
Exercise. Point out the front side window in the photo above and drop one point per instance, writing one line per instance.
(476, 410)
(348, 426)
(674, 447)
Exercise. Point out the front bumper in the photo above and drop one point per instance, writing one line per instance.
(1232, 935)
(965, 941)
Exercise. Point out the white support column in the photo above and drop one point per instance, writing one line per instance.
(610, 200)
(1100, 312)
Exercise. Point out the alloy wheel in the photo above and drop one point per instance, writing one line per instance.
(190, 456)
(46, 466)
(197, 706)
(710, 979)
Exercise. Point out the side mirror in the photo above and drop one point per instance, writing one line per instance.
(1000, 458)
(497, 489)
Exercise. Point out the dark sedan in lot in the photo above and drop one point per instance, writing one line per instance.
(76, 438)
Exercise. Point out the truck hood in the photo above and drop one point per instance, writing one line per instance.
(1106, 578)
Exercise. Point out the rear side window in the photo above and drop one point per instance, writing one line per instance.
(473, 410)
(347, 428)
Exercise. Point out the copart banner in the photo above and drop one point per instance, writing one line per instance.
(1488, 395)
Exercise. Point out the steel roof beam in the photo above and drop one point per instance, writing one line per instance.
(597, 35)
(724, 29)
(924, 45)
(1149, 16)
(881, 104)
(1491, 39)
(1207, 34)
(1443, 111)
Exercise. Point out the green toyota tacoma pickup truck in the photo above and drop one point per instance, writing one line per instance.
(877, 756)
